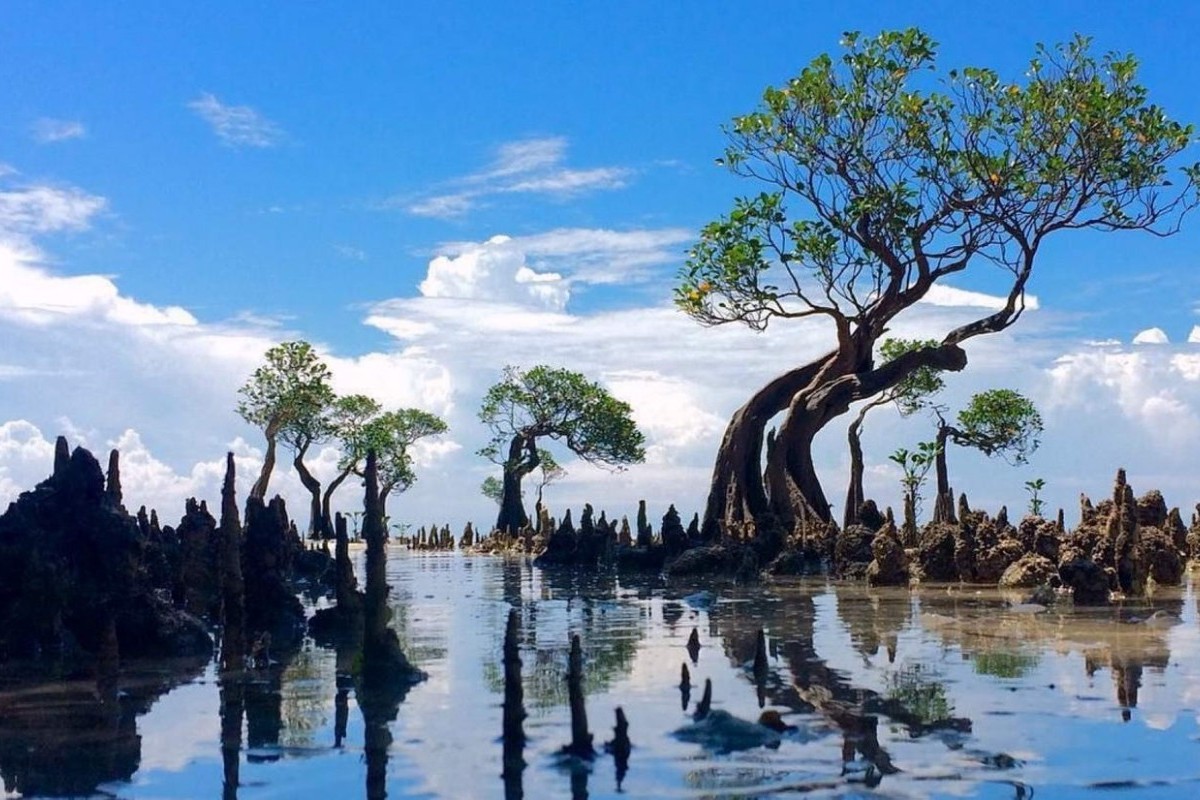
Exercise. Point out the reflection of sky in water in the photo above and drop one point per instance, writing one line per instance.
(1022, 680)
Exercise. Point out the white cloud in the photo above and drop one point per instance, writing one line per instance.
(29, 293)
(1146, 399)
(443, 206)
(47, 130)
(1151, 336)
(161, 384)
(25, 458)
(494, 270)
(669, 411)
(524, 156)
(942, 295)
(529, 166)
(594, 255)
(39, 209)
(236, 126)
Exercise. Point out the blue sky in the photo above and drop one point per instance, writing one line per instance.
(295, 169)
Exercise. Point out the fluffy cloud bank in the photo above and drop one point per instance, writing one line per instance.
(160, 384)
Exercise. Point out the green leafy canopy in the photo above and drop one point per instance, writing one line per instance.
(564, 406)
(289, 394)
(1000, 422)
(915, 391)
(884, 175)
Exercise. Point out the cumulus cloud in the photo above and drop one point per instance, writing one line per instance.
(160, 383)
(1151, 336)
(1156, 389)
(47, 130)
(942, 295)
(25, 457)
(595, 256)
(236, 126)
(529, 166)
(33, 295)
(494, 270)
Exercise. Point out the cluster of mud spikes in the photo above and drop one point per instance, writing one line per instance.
(80, 575)
(1122, 545)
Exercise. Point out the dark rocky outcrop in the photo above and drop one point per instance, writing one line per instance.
(270, 549)
(73, 564)
(1029, 571)
(674, 537)
(1130, 542)
(645, 535)
(889, 564)
(1087, 580)
(852, 552)
(941, 551)
(197, 588)
(710, 560)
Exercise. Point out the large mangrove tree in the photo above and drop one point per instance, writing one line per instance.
(883, 177)
(555, 404)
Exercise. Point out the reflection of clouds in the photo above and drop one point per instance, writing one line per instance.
(185, 726)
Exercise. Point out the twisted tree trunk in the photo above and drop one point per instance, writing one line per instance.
(943, 504)
(522, 459)
(795, 489)
(737, 499)
(314, 493)
(854, 489)
(259, 489)
(327, 527)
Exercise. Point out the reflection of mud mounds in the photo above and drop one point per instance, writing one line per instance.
(1005, 642)
(66, 738)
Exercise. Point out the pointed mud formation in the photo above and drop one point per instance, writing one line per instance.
(233, 600)
(385, 674)
(685, 687)
(705, 704)
(382, 657)
(70, 558)
(270, 548)
(113, 486)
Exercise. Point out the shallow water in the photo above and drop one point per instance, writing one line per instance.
(1058, 704)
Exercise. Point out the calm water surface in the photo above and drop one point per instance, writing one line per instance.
(1061, 704)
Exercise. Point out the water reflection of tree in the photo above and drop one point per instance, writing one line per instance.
(422, 649)
(304, 701)
(554, 605)
(609, 639)
(809, 684)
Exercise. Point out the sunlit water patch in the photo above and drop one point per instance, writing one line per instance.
(938, 692)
